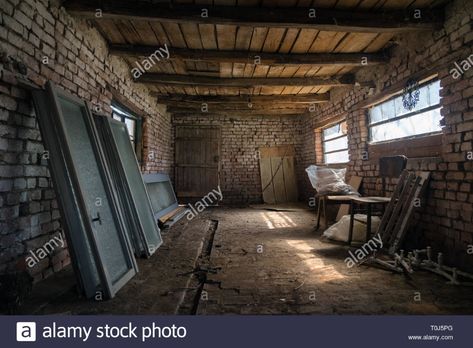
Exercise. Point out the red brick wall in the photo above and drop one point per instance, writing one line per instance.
(32, 32)
(241, 137)
(445, 222)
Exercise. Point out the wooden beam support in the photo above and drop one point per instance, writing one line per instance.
(259, 58)
(288, 17)
(240, 107)
(236, 112)
(190, 81)
(244, 99)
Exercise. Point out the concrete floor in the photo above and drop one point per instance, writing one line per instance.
(257, 261)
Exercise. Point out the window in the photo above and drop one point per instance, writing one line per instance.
(335, 143)
(132, 122)
(390, 120)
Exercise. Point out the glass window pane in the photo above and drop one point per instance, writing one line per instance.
(130, 124)
(331, 132)
(336, 157)
(423, 123)
(426, 122)
(335, 131)
(337, 144)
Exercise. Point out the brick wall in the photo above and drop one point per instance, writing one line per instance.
(241, 137)
(445, 220)
(41, 42)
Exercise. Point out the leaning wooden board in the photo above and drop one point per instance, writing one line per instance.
(278, 177)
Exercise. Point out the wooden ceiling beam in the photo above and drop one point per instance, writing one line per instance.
(315, 18)
(201, 81)
(257, 58)
(236, 112)
(240, 107)
(244, 99)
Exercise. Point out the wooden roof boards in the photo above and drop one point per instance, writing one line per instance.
(212, 42)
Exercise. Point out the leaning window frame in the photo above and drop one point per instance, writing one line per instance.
(401, 117)
(71, 199)
(331, 139)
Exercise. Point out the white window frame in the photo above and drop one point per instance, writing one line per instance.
(400, 117)
(324, 141)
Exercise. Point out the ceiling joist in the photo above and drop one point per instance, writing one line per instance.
(256, 58)
(236, 112)
(192, 81)
(245, 99)
(297, 17)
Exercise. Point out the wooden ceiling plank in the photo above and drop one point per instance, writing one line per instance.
(226, 35)
(273, 39)
(109, 30)
(258, 39)
(191, 34)
(264, 58)
(295, 17)
(289, 39)
(355, 42)
(207, 35)
(275, 71)
(326, 41)
(379, 42)
(243, 38)
(146, 33)
(261, 71)
(160, 33)
(249, 70)
(128, 32)
(174, 34)
(304, 40)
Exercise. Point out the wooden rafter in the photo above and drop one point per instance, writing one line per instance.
(234, 112)
(315, 18)
(319, 59)
(245, 99)
(184, 80)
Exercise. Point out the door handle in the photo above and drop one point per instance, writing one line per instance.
(98, 219)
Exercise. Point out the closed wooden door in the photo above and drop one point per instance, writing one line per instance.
(197, 160)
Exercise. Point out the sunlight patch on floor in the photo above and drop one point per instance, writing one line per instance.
(324, 272)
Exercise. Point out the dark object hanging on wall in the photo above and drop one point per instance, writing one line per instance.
(410, 94)
(91, 215)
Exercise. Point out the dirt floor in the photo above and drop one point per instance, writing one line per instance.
(256, 261)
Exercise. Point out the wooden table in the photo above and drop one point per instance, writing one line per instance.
(368, 202)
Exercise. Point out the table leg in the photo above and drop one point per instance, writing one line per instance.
(368, 222)
(352, 221)
(318, 214)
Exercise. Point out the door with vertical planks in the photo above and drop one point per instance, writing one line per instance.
(197, 160)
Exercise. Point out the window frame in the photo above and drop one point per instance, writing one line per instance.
(137, 137)
(332, 139)
(397, 118)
